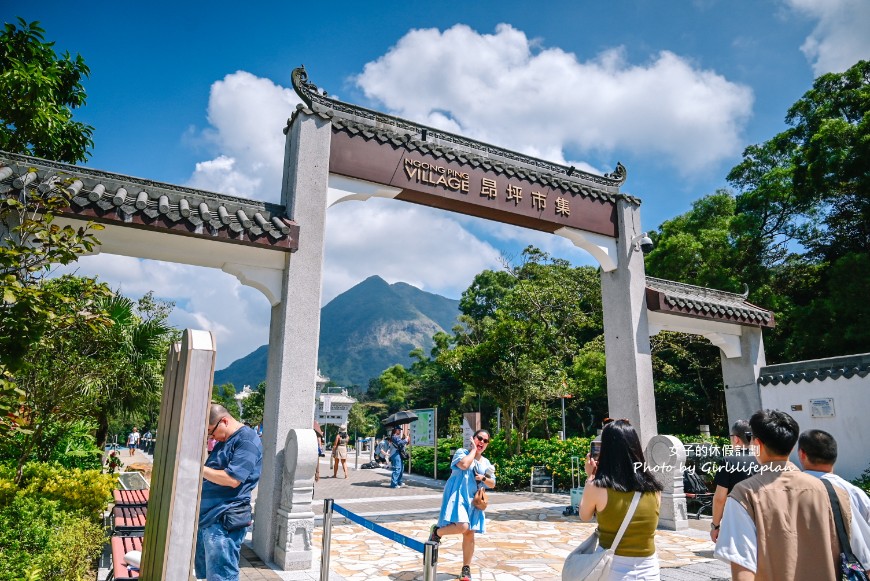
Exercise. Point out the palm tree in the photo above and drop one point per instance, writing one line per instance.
(137, 349)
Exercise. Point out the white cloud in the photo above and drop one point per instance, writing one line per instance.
(247, 115)
(840, 38)
(486, 86)
(502, 89)
(401, 242)
(205, 298)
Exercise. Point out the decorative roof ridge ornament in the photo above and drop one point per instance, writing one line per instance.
(317, 100)
(620, 174)
(665, 285)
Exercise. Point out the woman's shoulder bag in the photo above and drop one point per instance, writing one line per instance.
(592, 562)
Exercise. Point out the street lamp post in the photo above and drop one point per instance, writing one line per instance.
(563, 398)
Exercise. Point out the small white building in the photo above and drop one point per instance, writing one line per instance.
(333, 403)
(826, 394)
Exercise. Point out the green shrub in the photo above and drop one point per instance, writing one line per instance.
(39, 540)
(514, 472)
(72, 445)
(863, 481)
(87, 492)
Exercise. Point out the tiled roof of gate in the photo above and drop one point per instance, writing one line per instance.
(401, 133)
(700, 302)
(114, 198)
(816, 369)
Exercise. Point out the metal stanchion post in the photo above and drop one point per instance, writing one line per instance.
(356, 451)
(327, 538)
(430, 561)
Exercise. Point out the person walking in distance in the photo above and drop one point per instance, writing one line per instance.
(231, 473)
(133, 441)
(469, 471)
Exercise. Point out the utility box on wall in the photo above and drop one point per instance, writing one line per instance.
(826, 394)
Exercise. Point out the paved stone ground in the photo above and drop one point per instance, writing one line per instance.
(527, 536)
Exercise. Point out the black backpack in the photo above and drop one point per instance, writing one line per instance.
(694, 484)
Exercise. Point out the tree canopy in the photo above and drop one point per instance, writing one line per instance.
(39, 92)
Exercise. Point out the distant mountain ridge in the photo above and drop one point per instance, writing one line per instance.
(363, 331)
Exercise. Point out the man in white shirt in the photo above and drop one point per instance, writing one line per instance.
(817, 451)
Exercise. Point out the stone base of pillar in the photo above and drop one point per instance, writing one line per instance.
(672, 515)
(293, 547)
(666, 457)
(294, 517)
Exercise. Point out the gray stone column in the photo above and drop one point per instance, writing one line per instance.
(294, 334)
(666, 457)
(740, 375)
(626, 331)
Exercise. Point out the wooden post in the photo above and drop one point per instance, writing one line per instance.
(176, 481)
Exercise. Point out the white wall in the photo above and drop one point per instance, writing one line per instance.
(850, 425)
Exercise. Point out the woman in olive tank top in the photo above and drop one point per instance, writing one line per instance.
(612, 479)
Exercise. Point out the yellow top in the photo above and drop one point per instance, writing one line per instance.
(639, 538)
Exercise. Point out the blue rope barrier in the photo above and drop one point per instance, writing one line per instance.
(383, 531)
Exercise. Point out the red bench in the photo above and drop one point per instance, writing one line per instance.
(126, 518)
(120, 547)
(131, 497)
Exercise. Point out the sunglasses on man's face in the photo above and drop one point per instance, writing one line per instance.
(483, 440)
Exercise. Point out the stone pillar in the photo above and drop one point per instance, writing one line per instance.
(295, 514)
(740, 376)
(293, 338)
(626, 331)
(666, 456)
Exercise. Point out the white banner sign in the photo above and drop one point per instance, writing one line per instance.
(327, 404)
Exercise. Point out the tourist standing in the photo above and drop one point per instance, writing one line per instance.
(231, 472)
(613, 481)
(398, 441)
(736, 467)
(817, 451)
(339, 450)
(469, 471)
(778, 524)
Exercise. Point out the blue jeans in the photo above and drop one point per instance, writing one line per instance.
(217, 553)
(396, 478)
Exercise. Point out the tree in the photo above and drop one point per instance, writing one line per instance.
(225, 395)
(809, 188)
(830, 134)
(393, 386)
(252, 410)
(135, 348)
(523, 327)
(39, 93)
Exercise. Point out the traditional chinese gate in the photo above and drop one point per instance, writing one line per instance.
(337, 152)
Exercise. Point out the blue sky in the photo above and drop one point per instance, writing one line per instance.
(197, 94)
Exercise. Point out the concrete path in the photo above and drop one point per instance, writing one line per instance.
(527, 536)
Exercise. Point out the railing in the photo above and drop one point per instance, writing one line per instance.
(428, 549)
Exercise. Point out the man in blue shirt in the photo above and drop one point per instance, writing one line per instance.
(231, 472)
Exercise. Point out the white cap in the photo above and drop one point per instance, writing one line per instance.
(133, 558)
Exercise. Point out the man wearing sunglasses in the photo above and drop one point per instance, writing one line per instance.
(735, 468)
(231, 472)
